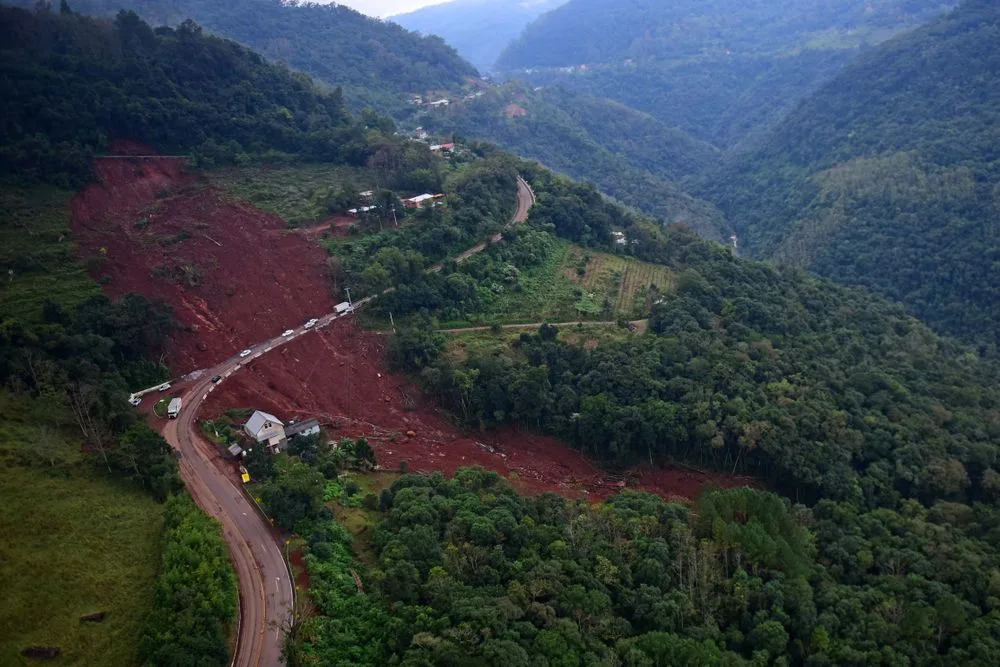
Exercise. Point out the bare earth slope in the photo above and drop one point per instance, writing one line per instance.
(232, 273)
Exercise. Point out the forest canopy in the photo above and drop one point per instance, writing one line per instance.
(887, 178)
(71, 83)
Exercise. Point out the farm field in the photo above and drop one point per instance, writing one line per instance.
(75, 543)
(485, 343)
(297, 193)
(580, 284)
(37, 252)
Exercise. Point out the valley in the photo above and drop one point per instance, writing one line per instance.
(416, 399)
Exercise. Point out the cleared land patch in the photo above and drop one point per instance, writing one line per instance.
(75, 543)
(37, 253)
(300, 194)
(577, 284)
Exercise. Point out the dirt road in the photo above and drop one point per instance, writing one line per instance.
(266, 588)
(525, 200)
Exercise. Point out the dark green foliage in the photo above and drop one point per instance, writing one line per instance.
(887, 178)
(481, 197)
(722, 70)
(374, 61)
(469, 573)
(70, 83)
(196, 594)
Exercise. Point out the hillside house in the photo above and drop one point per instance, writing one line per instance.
(303, 428)
(437, 104)
(421, 200)
(266, 429)
(438, 148)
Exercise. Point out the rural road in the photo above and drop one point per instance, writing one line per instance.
(267, 592)
(525, 200)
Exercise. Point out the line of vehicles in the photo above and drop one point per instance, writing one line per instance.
(174, 407)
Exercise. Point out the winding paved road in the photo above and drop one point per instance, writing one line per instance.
(267, 592)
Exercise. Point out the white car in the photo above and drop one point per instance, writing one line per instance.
(246, 353)
(134, 401)
(287, 332)
(311, 323)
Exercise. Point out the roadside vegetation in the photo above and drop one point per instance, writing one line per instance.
(77, 542)
(83, 476)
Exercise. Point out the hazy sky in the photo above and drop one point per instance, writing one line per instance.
(383, 8)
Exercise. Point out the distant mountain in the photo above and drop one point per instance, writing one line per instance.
(723, 70)
(478, 29)
(374, 61)
(889, 177)
(626, 153)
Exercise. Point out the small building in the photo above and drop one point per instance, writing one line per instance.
(440, 103)
(304, 428)
(174, 408)
(420, 133)
(342, 307)
(367, 195)
(620, 238)
(358, 211)
(267, 429)
(437, 148)
(421, 200)
(235, 450)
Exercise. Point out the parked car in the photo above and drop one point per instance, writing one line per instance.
(134, 401)
(216, 379)
(311, 323)
(287, 332)
(246, 353)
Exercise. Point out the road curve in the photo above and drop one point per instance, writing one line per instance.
(267, 591)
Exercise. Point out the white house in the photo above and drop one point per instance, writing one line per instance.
(266, 429)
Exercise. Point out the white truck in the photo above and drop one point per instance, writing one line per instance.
(174, 408)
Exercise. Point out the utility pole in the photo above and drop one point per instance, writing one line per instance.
(395, 222)
(348, 290)
(392, 322)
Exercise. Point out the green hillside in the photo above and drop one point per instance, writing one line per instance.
(722, 70)
(881, 436)
(627, 154)
(888, 176)
(373, 61)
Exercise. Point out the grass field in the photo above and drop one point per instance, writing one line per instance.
(36, 252)
(580, 284)
(296, 193)
(74, 543)
(486, 343)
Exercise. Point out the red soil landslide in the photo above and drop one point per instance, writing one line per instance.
(338, 375)
(235, 275)
(232, 273)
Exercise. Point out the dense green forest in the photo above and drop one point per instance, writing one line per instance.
(373, 61)
(887, 177)
(466, 572)
(627, 154)
(885, 433)
(724, 71)
(478, 29)
(71, 83)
